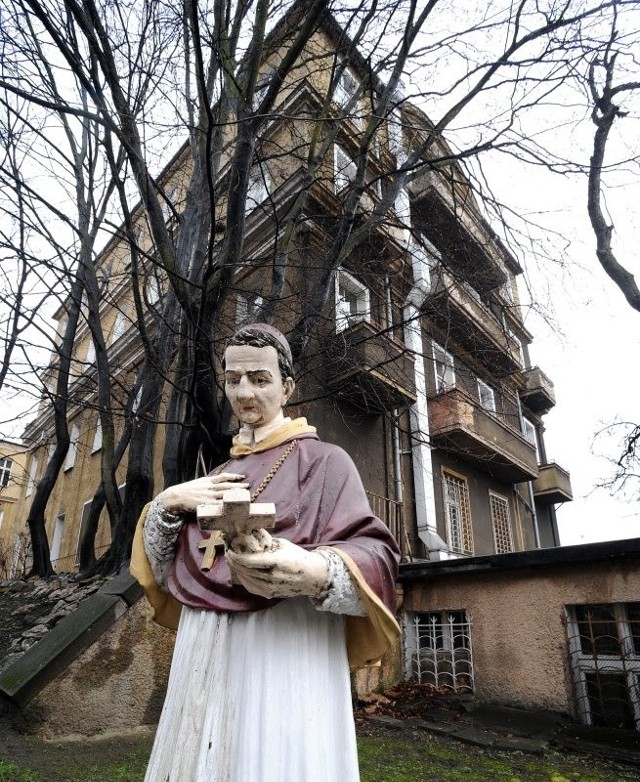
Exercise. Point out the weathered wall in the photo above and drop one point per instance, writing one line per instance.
(520, 647)
(116, 684)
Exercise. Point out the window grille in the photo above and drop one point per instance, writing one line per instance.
(458, 514)
(438, 650)
(604, 643)
(501, 524)
(5, 470)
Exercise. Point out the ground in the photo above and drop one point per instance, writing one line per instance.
(386, 755)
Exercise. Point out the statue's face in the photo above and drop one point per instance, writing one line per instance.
(253, 384)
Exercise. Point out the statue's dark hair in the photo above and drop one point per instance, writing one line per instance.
(256, 338)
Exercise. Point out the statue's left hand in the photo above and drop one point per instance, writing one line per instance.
(286, 571)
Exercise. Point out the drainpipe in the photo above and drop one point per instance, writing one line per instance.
(419, 417)
(395, 429)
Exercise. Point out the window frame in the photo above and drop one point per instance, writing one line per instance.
(72, 452)
(362, 294)
(447, 363)
(345, 168)
(459, 525)
(6, 466)
(484, 389)
(501, 528)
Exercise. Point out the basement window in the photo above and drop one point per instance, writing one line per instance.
(604, 644)
(438, 650)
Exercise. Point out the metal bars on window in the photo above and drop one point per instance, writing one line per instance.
(438, 650)
(501, 524)
(604, 643)
(458, 513)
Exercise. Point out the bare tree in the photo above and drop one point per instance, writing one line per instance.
(206, 82)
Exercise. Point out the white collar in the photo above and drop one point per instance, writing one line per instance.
(251, 436)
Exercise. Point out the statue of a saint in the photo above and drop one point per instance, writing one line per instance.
(270, 622)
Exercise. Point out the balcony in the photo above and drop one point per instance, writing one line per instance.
(458, 232)
(538, 393)
(553, 485)
(457, 308)
(369, 369)
(459, 424)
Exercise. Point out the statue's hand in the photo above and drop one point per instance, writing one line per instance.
(185, 497)
(286, 571)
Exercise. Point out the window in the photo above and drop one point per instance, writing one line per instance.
(97, 437)
(5, 470)
(352, 301)
(438, 649)
(457, 514)
(604, 643)
(247, 307)
(57, 537)
(444, 369)
(345, 168)
(258, 187)
(501, 524)
(70, 458)
(153, 289)
(120, 323)
(346, 88)
(529, 432)
(91, 351)
(31, 480)
(1, 517)
(486, 396)
(84, 518)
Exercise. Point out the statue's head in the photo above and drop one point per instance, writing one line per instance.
(258, 371)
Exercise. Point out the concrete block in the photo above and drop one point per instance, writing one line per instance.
(125, 586)
(43, 661)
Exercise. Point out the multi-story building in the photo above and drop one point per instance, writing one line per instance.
(419, 366)
(13, 540)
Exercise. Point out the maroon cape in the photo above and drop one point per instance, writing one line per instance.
(320, 501)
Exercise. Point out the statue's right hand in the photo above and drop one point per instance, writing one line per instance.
(185, 497)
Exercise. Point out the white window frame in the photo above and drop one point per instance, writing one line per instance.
(247, 305)
(91, 351)
(443, 368)
(487, 396)
(31, 480)
(70, 458)
(258, 188)
(152, 287)
(119, 324)
(529, 432)
(1, 517)
(346, 89)
(344, 168)
(97, 437)
(56, 541)
(501, 523)
(361, 295)
(6, 465)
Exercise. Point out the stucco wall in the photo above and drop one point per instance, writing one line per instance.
(116, 684)
(518, 633)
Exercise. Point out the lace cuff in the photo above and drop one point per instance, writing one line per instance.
(339, 595)
(161, 530)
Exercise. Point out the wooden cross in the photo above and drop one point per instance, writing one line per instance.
(231, 516)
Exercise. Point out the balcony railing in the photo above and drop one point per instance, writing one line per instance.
(457, 307)
(369, 369)
(553, 485)
(458, 424)
(391, 513)
(538, 393)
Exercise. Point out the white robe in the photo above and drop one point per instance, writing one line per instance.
(257, 697)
